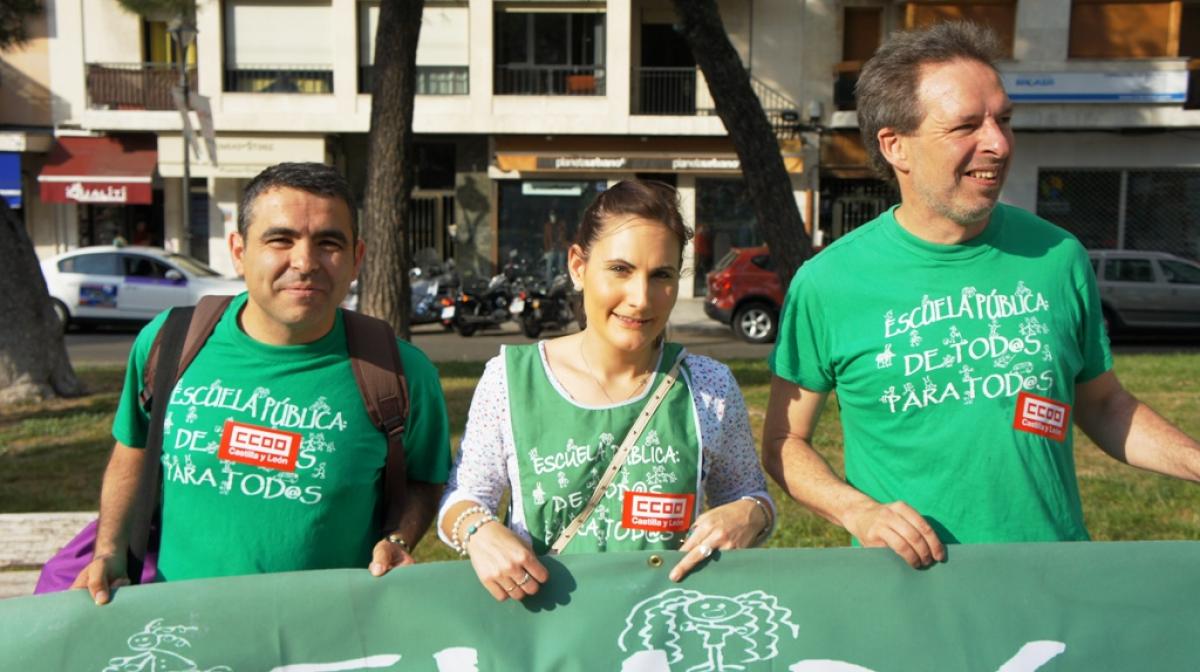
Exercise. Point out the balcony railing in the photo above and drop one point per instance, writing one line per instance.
(432, 80)
(134, 86)
(665, 91)
(549, 80)
(279, 79)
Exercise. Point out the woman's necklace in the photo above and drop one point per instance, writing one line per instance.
(596, 380)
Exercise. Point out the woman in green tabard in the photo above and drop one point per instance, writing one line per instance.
(547, 420)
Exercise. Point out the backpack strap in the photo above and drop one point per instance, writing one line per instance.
(175, 346)
(204, 319)
(375, 360)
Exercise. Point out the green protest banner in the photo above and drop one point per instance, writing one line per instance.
(1016, 608)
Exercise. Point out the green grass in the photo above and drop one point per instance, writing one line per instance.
(53, 454)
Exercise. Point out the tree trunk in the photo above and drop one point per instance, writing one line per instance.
(757, 147)
(384, 290)
(33, 356)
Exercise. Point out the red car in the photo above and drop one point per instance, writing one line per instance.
(744, 292)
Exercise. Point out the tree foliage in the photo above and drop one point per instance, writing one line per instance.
(753, 138)
(13, 16)
(159, 10)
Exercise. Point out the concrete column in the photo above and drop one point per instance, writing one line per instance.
(174, 237)
(482, 63)
(1043, 30)
(224, 197)
(65, 18)
(686, 185)
(618, 31)
(210, 51)
(345, 54)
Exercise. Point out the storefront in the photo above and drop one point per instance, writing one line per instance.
(544, 183)
(111, 182)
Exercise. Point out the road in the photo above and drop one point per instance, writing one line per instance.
(111, 346)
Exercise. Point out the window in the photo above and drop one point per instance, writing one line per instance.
(1179, 273)
(261, 56)
(1128, 270)
(90, 264)
(862, 30)
(549, 53)
(999, 15)
(443, 52)
(138, 266)
(1126, 28)
(1125, 209)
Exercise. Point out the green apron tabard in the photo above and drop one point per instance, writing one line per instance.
(563, 449)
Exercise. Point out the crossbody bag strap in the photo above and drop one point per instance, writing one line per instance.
(618, 459)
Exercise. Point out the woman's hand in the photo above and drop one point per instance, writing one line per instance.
(733, 525)
(505, 565)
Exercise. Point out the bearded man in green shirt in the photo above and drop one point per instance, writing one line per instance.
(277, 362)
(963, 336)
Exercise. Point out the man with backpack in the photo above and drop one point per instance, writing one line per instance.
(298, 436)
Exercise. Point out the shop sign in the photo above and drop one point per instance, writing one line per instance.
(108, 194)
(1147, 86)
(705, 164)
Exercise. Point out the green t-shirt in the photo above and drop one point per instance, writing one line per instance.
(225, 517)
(955, 369)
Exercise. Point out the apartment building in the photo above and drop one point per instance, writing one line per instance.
(26, 127)
(526, 109)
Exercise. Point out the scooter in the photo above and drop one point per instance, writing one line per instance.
(487, 306)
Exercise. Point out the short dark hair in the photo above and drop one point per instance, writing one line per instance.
(886, 92)
(647, 199)
(314, 178)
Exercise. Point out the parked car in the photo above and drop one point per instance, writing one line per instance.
(108, 284)
(1147, 289)
(744, 292)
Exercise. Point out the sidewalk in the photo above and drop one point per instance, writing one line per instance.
(689, 316)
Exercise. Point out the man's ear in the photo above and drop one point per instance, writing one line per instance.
(893, 148)
(360, 251)
(237, 250)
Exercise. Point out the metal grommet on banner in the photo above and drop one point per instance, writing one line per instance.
(655, 561)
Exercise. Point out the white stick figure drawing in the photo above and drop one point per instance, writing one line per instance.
(155, 651)
(730, 630)
(884, 359)
(914, 338)
(539, 494)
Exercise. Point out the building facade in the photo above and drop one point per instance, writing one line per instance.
(526, 109)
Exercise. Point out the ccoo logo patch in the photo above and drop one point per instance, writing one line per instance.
(1042, 416)
(259, 446)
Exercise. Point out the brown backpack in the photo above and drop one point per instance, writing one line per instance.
(374, 358)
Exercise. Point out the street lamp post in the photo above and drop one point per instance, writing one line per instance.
(183, 31)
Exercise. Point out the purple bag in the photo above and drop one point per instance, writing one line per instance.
(60, 571)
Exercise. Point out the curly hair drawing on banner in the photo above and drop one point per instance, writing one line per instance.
(731, 631)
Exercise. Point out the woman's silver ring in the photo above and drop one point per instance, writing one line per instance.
(705, 550)
(524, 579)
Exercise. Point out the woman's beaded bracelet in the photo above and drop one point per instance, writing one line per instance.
(454, 537)
(472, 529)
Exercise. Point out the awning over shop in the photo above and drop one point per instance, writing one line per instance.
(10, 178)
(582, 154)
(112, 170)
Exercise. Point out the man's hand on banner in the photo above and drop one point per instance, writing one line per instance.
(899, 527)
(103, 573)
(389, 553)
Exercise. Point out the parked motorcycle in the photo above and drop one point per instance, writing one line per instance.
(538, 308)
(486, 306)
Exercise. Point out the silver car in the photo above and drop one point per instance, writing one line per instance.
(1147, 289)
(128, 284)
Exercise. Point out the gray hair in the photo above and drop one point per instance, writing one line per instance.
(886, 92)
(315, 178)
